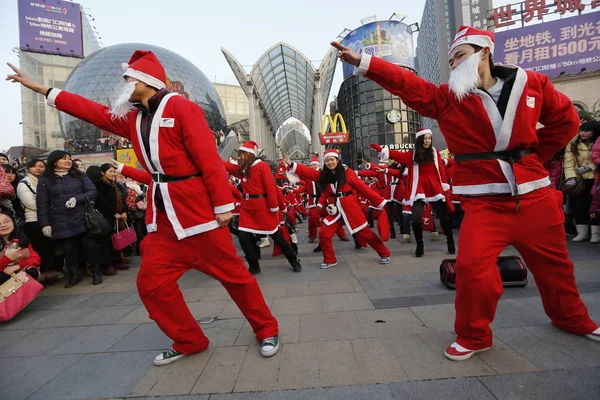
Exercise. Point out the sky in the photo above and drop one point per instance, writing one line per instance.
(198, 30)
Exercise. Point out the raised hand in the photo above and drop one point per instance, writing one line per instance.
(25, 80)
(346, 54)
(376, 147)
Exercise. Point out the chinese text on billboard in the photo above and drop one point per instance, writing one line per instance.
(554, 48)
(390, 40)
(51, 27)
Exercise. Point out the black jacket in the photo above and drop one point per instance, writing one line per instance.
(106, 200)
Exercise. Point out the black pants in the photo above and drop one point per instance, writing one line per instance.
(78, 249)
(248, 243)
(391, 213)
(581, 205)
(44, 247)
(458, 216)
(439, 207)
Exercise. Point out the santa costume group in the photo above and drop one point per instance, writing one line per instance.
(488, 114)
(190, 202)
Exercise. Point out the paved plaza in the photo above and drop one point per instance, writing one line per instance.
(356, 331)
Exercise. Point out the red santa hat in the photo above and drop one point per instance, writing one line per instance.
(470, 35)
(422, 132)
(314, 160)
(145, 67)
(249, 147)
(331, 153)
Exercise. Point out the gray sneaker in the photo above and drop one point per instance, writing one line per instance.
(270, 346)
(168, 357)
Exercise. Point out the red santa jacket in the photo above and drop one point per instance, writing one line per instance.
(398, 184)
(237, 198)
(348, 207)
(257, 215)
(181, 144)
(475, 125)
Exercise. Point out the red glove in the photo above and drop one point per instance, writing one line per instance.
(376, 147)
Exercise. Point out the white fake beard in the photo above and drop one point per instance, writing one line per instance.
(122, 105)
(465, 78)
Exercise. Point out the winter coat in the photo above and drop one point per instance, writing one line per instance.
(26, 191)
(596, 153)
(33, 261)
(555, 170)
(595, 207)
(584, 159)
(106, 201)
(52, 195)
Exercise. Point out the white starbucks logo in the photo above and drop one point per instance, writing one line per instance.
(393, 116)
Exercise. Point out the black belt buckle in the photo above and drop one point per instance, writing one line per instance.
(246, 196)
(157, 178)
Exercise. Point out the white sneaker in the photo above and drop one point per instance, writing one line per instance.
(325, 265)
(269, 347)
(595, 336)
(168, 357)
(456, 352)
(264, 242)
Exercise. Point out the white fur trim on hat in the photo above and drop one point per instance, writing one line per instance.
(423, 132)
(143, 77)
(478, 40)
(331, 154)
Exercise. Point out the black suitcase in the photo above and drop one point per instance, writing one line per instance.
(512, 272)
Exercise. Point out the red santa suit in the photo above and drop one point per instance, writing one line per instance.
(348, 210)
(488, 186)
(182, 231)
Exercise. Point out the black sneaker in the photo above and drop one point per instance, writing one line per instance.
(168, 357)
(317, 249)
(269, 347)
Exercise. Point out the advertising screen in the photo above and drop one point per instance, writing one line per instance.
(390, 40)
(50, 27)
(561, 47)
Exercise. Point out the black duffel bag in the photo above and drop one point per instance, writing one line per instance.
(95, 224)
(512, 272)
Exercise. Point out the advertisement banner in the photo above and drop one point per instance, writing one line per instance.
(50, 27)
(390, 40)
(128, 157)
(554, 48)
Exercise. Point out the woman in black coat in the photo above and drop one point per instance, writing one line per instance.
(111, 202)
(60, 199)
(14, 178)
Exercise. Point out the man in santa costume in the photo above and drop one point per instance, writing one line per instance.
(488, 114)
(189, 207)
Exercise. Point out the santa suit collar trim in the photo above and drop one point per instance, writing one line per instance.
(255, 162)
(415, 180)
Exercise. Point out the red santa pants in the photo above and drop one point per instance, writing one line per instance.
(165, 259)
(365, 234)
(491, 223)
(314, 219)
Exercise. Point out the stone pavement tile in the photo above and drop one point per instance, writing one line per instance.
(98, 376)
(298, 366)
(193, 295)
(398, 321)
(105, 299)
(577, 347)
(372, 272)
(232, 310)
(258, 373)
(346, 302)
(21, 377)
(504, 360)
(41, 342)
(366, 392)
(56, 302)
(437, 317)
(144, 337)
(132, 300)
(274, 289)
(223, 332)
(101, 316)
(377, 362)
(84, 287)
(338, 364)
(539, 352)
(512, 313)
(138, 316)
(222, 370)
(417, 359)
(299, 289)
(182, 397)
(345, 286)
(43, 318)
(8, 337)
(330, 326)
(202, 309)
(173, 379)
(321, 287)
(580, 384)
(289, 331)
(117, 287)
(216, 294)
(438, 341)
(96, 339)
(296, 305)
(447, 389)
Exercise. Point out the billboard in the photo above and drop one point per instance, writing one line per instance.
(554, 48)
(128, 157)
(390, 40)
(50, 27)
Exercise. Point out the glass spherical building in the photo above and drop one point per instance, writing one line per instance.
(99, 77)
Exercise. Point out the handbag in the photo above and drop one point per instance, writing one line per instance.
(578, 187)
(123, 238)
(95, 224)
(427, 218)
(16, 293)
